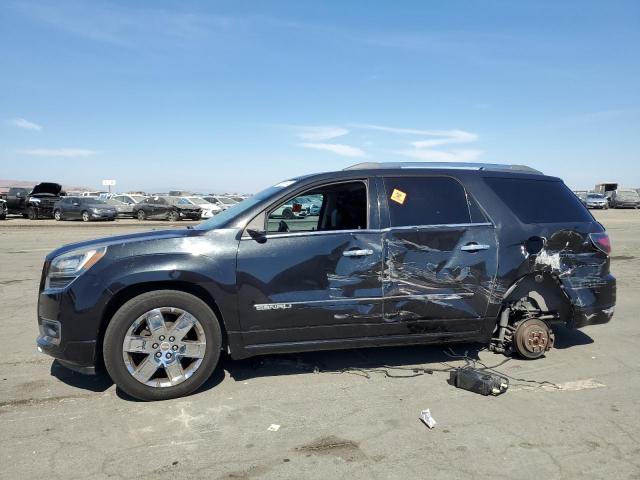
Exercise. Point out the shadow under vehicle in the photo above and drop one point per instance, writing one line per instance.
(426, 253)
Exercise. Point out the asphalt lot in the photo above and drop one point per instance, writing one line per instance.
(58, 424)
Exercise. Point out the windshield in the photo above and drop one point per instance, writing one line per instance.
(227, 201)
(238, 209)
(136, 198)
(197, 200)
(596, 196)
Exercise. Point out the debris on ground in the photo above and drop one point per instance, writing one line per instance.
(427, 419)
(478, 381)
(273, 428)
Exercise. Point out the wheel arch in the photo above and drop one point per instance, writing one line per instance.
(132, 291)
(545, 289)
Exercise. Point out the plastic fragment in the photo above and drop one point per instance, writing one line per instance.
(427, 419)
(273, 427)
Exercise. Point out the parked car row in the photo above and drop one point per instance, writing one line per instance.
(619, 198)
(48, 200)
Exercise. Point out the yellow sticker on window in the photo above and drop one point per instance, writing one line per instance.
(398, 196)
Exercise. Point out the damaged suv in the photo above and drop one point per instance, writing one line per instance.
(397, 254)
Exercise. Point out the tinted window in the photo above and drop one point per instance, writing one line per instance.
(540, 201)
(427, 201)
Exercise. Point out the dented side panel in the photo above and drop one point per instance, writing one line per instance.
(432, 282)
(290, 286)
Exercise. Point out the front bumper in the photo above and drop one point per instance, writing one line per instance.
(77, 356)
(75, 313)
(104, 215)
(190, 215)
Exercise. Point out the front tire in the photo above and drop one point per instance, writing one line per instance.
(57, 215)
(162, 344)
(85, 216)
(32, 213)
(141, 215)
(173, 216)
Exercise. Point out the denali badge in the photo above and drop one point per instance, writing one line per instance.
(273, 306)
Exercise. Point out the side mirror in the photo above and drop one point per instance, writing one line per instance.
(257, 234)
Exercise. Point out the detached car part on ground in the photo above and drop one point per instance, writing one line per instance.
(166, 208)
(398, 254)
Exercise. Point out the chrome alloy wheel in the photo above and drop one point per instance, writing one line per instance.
(164, 347)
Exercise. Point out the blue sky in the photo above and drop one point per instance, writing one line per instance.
(236, 95)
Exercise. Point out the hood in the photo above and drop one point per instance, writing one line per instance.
(124, 239)
(47, 188)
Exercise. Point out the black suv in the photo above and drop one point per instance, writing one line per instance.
(395, 254)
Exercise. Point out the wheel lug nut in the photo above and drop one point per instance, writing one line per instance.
(171, 339)
(168, 355)
(161, 337)
(174, 348)
(155, 345)
(158, 354)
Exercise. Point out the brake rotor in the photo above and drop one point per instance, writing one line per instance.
(532, 338)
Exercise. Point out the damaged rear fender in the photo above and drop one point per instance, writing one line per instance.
(545, 290)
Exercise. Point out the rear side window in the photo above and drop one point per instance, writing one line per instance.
(426, 201)
(540, 201)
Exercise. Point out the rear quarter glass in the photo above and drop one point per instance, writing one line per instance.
(539, 201)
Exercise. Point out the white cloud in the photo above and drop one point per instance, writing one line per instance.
(319, 133)
(337, 148)
(59, 152)
(26, 124)
(442, 156)
(446, 137)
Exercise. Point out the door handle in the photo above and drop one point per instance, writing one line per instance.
(474, 247)
(357, 253)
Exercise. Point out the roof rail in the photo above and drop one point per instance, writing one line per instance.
(443, 165)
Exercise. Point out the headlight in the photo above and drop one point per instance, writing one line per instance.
(67, 267)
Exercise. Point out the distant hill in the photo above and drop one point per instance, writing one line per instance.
(5, 184)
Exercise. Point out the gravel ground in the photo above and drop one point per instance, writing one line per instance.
(58, 424)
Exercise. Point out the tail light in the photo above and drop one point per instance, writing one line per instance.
(297, 208)
(601, 241)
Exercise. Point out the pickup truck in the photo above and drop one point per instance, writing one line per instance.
(35, 203)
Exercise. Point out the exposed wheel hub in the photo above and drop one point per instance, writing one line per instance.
(536, 340)
(532, 337)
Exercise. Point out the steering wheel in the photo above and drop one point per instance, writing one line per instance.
(282, 226)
